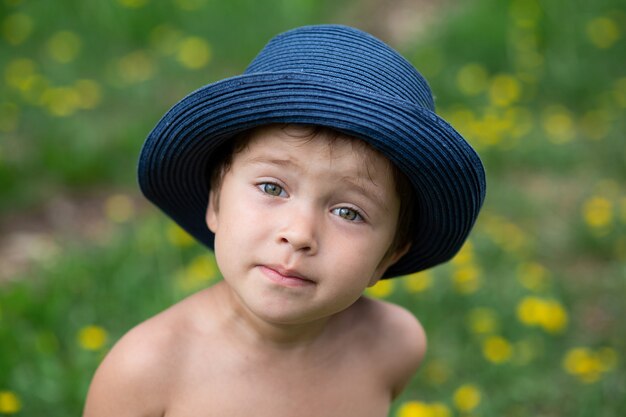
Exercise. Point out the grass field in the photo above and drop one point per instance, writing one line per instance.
(527, 320)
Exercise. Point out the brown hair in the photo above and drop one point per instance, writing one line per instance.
(223, 158)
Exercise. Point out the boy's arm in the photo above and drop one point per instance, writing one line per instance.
(130, 381)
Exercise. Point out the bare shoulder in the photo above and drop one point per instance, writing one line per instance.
(399, 339)
(135, 376)
(396, 325)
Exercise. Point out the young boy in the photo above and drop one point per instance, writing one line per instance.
(318, 172)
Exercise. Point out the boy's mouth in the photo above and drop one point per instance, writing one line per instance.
(285, 276)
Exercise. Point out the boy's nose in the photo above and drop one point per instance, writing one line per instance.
(300, 231)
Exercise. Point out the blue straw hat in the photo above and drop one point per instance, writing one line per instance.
(334, 76)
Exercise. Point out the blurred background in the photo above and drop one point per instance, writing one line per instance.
(527, 320)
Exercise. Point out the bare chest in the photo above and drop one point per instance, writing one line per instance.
(284, 389)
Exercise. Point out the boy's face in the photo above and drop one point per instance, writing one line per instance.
(303, 225)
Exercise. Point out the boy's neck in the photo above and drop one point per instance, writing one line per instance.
(251, 329)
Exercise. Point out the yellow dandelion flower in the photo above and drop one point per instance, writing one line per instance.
(92, 337)
(201, 271)
(382, 289)
(9, 402)
(422, 409)
(177, 236)
(436, 372)
(466, 279)
(467, 397)
(16, 28)
(603, 32)
(413, 409)
(471, 79)
(545, 313)
(89, 93)
(582, 363)
(528, 311)
(132, 4)
(64, 46)
(598, 213)
(558, 124)
(533, 276)
(194, 52)
(497, 349)
(482, 320)
(60, 101)
(504, 90)
(9, 117)
(556, 318)
(418, 282)
(119, 208)
(135, 67)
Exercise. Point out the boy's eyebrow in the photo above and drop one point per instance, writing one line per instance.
(367, 192)
(273, 161)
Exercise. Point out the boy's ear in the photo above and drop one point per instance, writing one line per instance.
(211, 212)
(387, 262)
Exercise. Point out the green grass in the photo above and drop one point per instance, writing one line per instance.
(529, 314)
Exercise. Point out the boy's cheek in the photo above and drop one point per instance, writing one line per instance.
(387, 262)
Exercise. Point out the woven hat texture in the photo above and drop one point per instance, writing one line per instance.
(334, 76)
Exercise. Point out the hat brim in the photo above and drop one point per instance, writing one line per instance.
(445, 171)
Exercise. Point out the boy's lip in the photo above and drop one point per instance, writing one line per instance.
(284, 275)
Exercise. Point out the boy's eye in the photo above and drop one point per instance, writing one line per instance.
(271, 189)
(348, 214)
